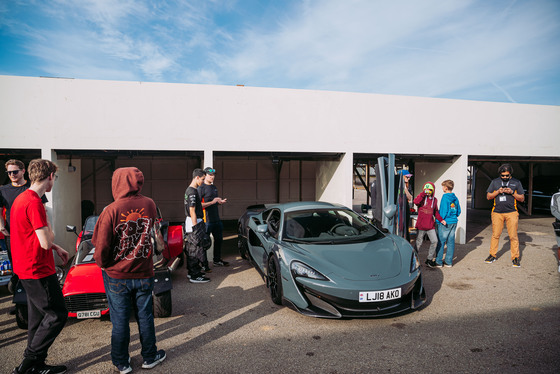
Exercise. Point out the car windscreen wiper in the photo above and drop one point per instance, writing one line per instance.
(292, 240)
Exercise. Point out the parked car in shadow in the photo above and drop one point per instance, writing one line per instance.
(544, 187)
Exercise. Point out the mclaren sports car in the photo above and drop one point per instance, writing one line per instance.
(325, 260)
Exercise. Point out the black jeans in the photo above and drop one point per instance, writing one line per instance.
(217, 231)
(47, 315)
(194, 267)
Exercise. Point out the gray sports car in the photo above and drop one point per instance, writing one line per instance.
(325, 260)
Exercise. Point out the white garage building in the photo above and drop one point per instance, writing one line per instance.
(267, 144)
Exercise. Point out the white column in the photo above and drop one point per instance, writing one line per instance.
(437, 172)
(64, 206)
(208, 158)
(334, 180)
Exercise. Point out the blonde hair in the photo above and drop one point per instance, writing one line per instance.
(17, 163)
(449, 184)
(40, 169)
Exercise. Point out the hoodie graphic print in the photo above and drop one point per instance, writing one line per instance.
(122, 235)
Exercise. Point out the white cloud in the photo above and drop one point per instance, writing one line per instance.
(426, 48)
(501, 49)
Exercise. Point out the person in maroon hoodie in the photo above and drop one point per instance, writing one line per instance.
(427, 210)
(123, 251)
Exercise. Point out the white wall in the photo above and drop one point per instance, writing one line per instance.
(64, 201)
(162, 116)
(438, 172)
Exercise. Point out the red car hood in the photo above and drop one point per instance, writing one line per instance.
(84, 278)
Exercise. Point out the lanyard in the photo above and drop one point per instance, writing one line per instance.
(507, 185)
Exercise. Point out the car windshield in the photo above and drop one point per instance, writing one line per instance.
(334, 226)
(89, 225)
(84, 255)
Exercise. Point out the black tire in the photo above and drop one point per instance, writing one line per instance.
(21, 316)
(274, 280)
(162, 304)
(11, 286)
(242, 246)
(181, 259)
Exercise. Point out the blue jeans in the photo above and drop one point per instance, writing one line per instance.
(121, 294)
(445, 235)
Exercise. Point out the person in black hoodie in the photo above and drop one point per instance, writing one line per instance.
(123, 251)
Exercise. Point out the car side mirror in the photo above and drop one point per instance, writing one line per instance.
(262, 229)
(70, 228)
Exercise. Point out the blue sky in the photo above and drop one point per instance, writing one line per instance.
(499, 50)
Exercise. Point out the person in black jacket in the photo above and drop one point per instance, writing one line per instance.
(210, 200)
(194, 229)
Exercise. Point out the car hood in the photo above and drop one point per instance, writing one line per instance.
(84, 278)
(375, 260)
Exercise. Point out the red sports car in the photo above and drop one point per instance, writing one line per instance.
(83, 289)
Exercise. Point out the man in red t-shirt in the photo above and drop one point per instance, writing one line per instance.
(32, 244)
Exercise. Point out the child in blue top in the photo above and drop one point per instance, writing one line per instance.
(449, 210)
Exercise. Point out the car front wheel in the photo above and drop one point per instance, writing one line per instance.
(274, 280)
(242, 246)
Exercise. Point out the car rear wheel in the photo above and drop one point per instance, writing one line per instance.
(21, 316)
(162, 304)
(274, 280)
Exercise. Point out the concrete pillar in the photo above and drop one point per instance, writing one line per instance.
(334, 180)
(208, 159)
(64, 206)
(437, 172)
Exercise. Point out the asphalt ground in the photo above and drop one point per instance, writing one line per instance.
(479, 318)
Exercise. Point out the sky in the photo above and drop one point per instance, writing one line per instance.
(498, 50)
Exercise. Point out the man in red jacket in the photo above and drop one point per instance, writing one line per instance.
(123, 251)
(427, 210)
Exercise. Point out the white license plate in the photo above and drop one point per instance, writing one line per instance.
(89, 314)
(378, 296)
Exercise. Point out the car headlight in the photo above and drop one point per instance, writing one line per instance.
(59, 273)
(301, 270)
(414, 262)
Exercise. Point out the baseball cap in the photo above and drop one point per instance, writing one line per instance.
(405, 173)
(210, 170)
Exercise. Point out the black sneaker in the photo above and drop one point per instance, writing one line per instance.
(47, 369)
(447, 265)
(199, 279)
(206, 269)
(438, 265)
(160, 356)
(124, 369)
(201, 273)
(431, 263)
(490, 259)
(221, 263)
(516, 263)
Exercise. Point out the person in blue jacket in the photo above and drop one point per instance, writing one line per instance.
(449, 210)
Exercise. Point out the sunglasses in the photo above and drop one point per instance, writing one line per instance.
(210, 171)
(505, 175)
(14, 172)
